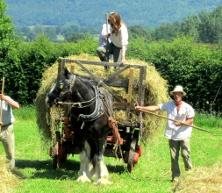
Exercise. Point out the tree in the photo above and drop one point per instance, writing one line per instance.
(7, 38)
(210, 28)
(166, 31)
(139, 32)
(9, 59)
(189, 27)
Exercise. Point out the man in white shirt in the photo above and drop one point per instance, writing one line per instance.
(6, 126)
(178, 132)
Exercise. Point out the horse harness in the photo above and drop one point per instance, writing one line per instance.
(102, 106)
(98, 99)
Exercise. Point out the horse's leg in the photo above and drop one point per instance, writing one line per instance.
(84, 164)
(102, 172)
(100, 167)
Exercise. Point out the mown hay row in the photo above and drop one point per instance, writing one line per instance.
(7, 179)
(156, 92)
(202, 179)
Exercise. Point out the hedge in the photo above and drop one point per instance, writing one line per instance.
(198, 67)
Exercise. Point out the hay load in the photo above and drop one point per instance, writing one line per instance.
(156, 92)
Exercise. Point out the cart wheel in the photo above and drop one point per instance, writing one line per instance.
(62, 154)
(59, 157)
(131, 163)
(55, 163)
(54, 154)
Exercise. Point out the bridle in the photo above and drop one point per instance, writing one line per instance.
(80, 105)
(99, 108)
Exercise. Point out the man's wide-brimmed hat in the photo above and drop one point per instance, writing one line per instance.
(178, 88)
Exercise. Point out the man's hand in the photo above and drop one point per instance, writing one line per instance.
(138, 108)
(2, 96)
(187, 122)
(178, 123)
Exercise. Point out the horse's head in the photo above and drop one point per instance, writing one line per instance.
(62, 89)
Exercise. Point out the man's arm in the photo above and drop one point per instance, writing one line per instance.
(147, 108)
(10, 101)
(188, 121)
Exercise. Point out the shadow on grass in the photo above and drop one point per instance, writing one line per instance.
(32, 169)
(44, 169)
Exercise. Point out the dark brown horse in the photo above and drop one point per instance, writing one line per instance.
(90, 108)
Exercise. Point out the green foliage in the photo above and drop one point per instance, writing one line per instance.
(166, 31)
(205, 27)
(189, 27)
(197, 67)
(208, 120)
(7, 42)
(138, 32)
(33, 58)
(9, 59)
(71, 24)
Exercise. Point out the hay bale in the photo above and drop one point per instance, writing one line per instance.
(156, 92)
(8, 180)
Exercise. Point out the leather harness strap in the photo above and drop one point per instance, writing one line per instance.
(115, 131)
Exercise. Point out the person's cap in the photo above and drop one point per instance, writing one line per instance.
(178, 88)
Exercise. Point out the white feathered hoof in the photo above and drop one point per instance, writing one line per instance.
(83, 179)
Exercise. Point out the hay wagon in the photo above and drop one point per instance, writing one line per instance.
(125, 135)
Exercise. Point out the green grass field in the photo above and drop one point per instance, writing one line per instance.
(151, 174)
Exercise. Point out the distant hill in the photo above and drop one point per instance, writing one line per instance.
(91, 14)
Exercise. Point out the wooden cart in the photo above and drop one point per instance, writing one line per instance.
(129, 132)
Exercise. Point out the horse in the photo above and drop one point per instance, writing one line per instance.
(90, 110)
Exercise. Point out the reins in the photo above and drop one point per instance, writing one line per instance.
(82, 104)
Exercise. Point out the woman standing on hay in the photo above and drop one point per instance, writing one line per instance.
(104, 40)
(178, 132)
(117, 45)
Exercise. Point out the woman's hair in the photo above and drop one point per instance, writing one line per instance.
(114, 20)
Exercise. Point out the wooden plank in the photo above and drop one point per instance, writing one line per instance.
(113, 64)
